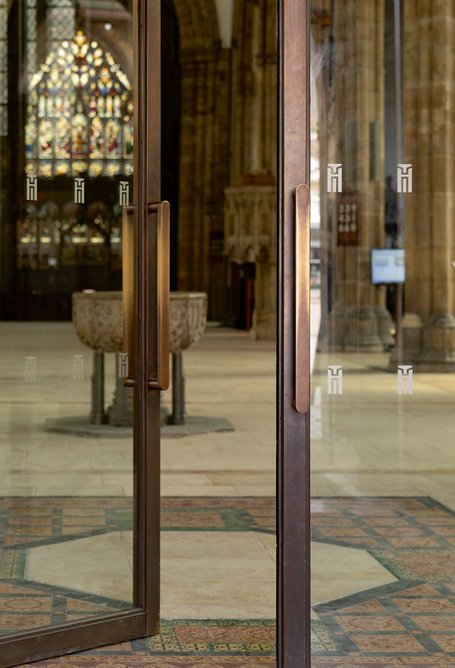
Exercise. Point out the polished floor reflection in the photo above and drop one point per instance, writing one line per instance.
(51, 484)
(370, 441)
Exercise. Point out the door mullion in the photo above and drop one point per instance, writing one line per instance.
(293, 465)
(148, 177)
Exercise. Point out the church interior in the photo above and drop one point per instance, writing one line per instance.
(382, 285)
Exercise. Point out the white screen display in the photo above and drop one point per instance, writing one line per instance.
(387, 265)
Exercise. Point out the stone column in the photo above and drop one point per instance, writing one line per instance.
(197, 148)
(359, 319)
(429, 118)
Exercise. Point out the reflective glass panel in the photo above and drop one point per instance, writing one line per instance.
(66, 443)
(382, 274)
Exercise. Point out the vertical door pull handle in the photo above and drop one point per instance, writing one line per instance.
(160, 380)
(157, 289)
(128, 295)
(302, 299)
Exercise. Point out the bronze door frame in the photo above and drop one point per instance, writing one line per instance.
(293, 383)
(143, 618)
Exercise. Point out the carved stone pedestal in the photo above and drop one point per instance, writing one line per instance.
(98, 414)
(188, 316)
(98, 319)
(188, 321)
(120, 412)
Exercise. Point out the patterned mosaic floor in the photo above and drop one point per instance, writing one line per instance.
(410, 622)
(27, 523)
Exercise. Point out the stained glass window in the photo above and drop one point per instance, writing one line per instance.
(79, 113)
(60, 22)
(31, 37)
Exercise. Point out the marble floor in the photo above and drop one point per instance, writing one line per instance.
(390, 454)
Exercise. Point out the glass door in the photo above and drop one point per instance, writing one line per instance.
(83, 324)
(382, 332)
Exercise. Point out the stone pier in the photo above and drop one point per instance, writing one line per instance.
(429, 110)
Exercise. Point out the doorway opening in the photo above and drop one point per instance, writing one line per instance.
(218, 473)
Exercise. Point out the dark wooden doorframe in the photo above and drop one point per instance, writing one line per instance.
(293, 418)
(147, 346)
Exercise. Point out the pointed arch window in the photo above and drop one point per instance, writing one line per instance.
(80, 113)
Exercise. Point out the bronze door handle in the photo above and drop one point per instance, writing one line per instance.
(157, 294)
(159, 378)
(302, 299)
(128, 294)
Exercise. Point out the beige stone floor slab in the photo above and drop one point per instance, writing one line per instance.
(212, 575)
(217, 575)
(369, 441)
(339, 571)
(100, 565)
(33, 462)
(365, 443)
(203, 574)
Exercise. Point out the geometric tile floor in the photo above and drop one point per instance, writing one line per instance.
(410, 622)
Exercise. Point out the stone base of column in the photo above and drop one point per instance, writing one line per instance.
(438, 345)
(120, 412)
(385, 327)
(336, 329)
(411, 342)
(358, 329)
(362, 331)
(430, 348)
(264, 325)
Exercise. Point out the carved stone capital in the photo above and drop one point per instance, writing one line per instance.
(250, 223)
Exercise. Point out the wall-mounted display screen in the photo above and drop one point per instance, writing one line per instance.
(387, 265)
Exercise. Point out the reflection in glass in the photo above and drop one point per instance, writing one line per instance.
(66, 152)
(383, 315)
